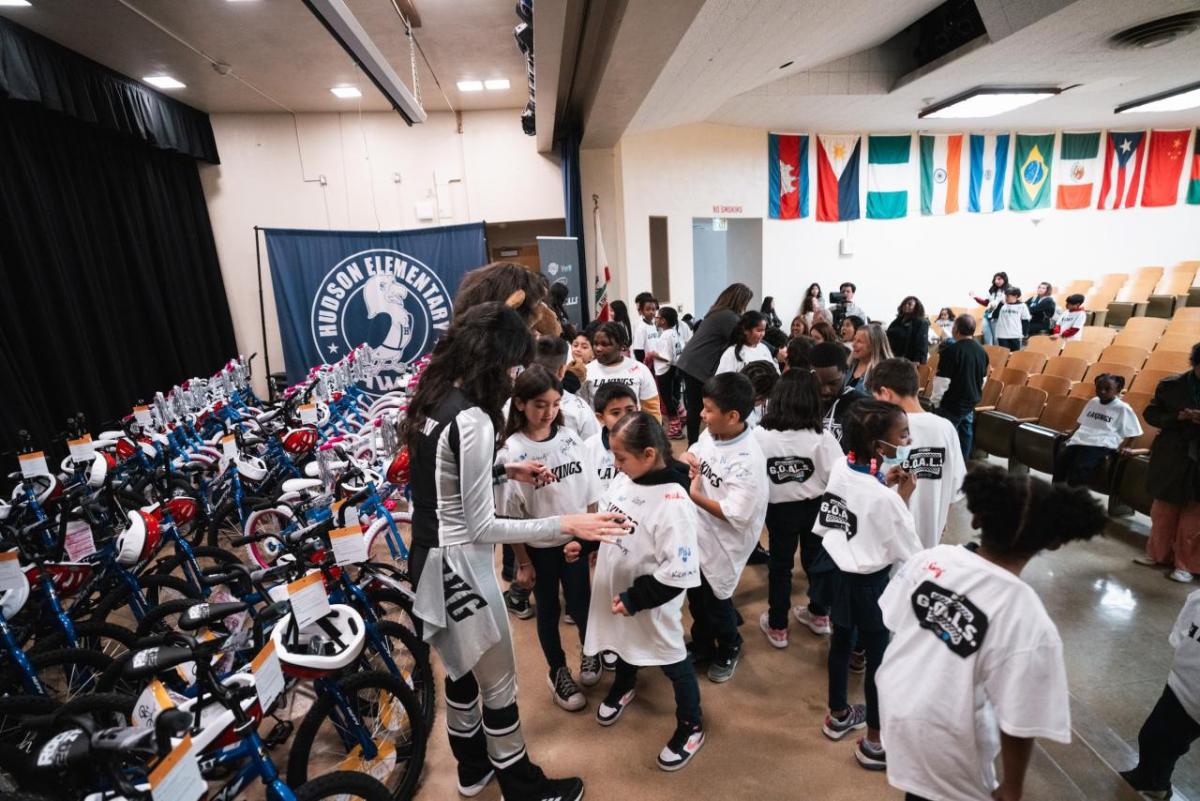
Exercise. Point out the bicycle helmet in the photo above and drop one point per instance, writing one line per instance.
(328, 645)
(251, 467)
(140, 538)
(397, 472)
(97, 471)
(5, 509)
(182, 509)
(300, 440)
(45, 488)
(13, 599)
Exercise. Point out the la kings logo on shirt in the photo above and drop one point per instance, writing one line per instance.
(926, 462)
(785, 469)
(461, 599)
(953, 619)
(836, 514)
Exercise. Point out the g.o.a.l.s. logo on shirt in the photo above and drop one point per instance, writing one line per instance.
(835, 514)
(386, 299)
(785, 469)
(953, 619)
(926, 462)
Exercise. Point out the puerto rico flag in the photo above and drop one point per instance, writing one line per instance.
(787, 176)
(1124, 153)
(837, 177)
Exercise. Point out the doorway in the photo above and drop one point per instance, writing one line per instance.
(725, 250)
(660, 263)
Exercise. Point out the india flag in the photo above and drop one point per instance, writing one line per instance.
(888, 176)
(989, 166)
(1078, 167)
(941, 164)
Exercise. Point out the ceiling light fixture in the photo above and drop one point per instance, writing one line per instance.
(15, 3)
(496, 84)
(346, 92)
(987, 102)
(163, 82)
(470, 86)
(1184, 97)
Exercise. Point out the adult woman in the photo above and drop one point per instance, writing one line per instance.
(798, 328)
(822, 332)
(991, 303)
(908, 334)
(768, 311)
(1173, 477)
(869, 348)
(812, 303)
(621, 315)
(1041, 310)
(451, 434)
(698, 362)
(849, 327)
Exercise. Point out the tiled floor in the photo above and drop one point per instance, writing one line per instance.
(763, 727)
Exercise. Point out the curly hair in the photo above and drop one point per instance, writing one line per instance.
(868, 422)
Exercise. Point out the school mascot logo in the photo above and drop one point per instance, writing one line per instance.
(385, 299)
(952, 618)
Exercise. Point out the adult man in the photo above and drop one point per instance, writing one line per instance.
(828, 360)
(962, 368)
(848, 307)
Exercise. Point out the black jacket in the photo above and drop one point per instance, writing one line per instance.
(1174, 472)
(909, 338)
(1041, 314)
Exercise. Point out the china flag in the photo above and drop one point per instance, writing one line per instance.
(1164, 165)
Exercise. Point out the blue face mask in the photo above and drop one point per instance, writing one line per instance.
(902, 452)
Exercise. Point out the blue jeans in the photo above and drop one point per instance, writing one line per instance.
(714, 623)
(682, 676)
(964, 424)
(989, 333)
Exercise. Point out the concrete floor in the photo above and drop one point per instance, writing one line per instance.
(763, 727)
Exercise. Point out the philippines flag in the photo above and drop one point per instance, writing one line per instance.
(787, 176)
(989, 165)
(1122, 179)
(837, 177)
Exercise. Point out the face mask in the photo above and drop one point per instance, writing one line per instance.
(902, 452)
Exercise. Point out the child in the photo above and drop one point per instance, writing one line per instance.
(1172, 726)
(975, 668)
(645, 332)
(799, 454)
(1012, 313)
(935, 458)
(535, 433)
(662, 353)
(943, 327)
(607, 341)
(747, 344)
(1071, 323)
(581, 354)
(866, 529)
(1105, 422)
(551, 353)
(637, 609)
(763, 377)
(726, 470)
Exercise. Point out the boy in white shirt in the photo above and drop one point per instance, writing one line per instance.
(1012, 314)
(613, 401)
(1071, 323)
(934, 458)
(727, 470)
(645, 332)
(1104, 425)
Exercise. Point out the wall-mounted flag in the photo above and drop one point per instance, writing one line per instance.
(1165, 158)
(941, 165)
(989, 167)
(888, 176)
(1193, 191)
(837, 177)
(1123, 156)
(1033, 157)
(787, 176)
(1078, 168)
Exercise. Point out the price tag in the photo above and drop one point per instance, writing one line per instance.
(352, 515)
(392, 713)
(177, 777)
(33, 464)
(79, 542)
(268, 676)
(380, 767)
(278, 593)
(142, 415)
(309, 600)
(349, 545)
(154, 699)
(308, 413)
(82, 449)
(11, 577)
(229, 447)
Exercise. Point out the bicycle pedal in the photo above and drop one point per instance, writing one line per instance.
(279, 734)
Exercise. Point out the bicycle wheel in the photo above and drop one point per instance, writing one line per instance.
(225, 525)
(206, 557)
(387, 713)
(64, 673)
(343, 784)
(155, 588)
(412, 658)
(106, 638)
(17, 740)
(164, 617)
(393, 605)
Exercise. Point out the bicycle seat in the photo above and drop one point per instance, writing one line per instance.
(201, 615)
(267, 416)
(301, 484)
(322, 647)
(67, 749)
(124, 739)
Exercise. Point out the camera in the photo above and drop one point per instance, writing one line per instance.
(836, 298)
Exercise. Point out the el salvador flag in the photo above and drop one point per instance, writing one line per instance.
(989, 164)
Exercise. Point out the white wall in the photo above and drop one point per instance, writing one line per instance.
(683, 172)
(496, 171)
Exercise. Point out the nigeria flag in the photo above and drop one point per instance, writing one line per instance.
(1033, 156)
(888, 176)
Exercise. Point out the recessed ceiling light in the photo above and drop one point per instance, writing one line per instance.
(345, 92)
(470, 86)
(1184, 97)
(163, 82)
(14, 3)
(987, 102)
(498, 83)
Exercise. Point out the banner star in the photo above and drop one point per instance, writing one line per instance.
(333, 348)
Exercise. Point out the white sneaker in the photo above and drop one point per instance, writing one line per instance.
(607, 714)
(777, 637)
(817, 624)
(1182, 576)
(1145, 560)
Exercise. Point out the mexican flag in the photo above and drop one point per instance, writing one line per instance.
(1193, 187)
(888, 176)
(941, 169)
(1078, 168)
(1033, 156)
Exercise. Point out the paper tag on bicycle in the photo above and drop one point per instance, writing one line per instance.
(154, 699)
(308, 413)
(177, 777)
(392, 713)
(82, 449)
(79, 541)
(268, 676)
(142, 415)
(11, 576)
(309, 600)
(229, 447)
(352, 514)
(349, 545)
(33, 464)
(380, 767)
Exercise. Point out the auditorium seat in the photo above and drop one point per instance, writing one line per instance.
(1054, 385)
(1043, 344)
(1184, 328)
(1154, 325)
(1191, 313)
(1120, 354)
(992, 389)
(1097, 333)
(1036, 445)
(924, 377)
(1129, 484)
(1111, 478)
(994, 428)
(1171, 361)
(934, 359)
(997, 357)
(1097, 368)
(1146, 340)
(1179, 343)
(1087, 391)
(1027, 360)
(1071, 367)
(1170, 293)
(1011, 375)
(1130, 302)
(1088, 351)
(1147, 380)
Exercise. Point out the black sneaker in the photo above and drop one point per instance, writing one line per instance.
(858, 661)
(518, 603)
(759, 556)
(683, 745)
(698, 657)
(565, 691)
(722, 667)
(589, 670)
(1132, 778)
(471, 784)
(554, 790)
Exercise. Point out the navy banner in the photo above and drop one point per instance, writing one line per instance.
(392, 290)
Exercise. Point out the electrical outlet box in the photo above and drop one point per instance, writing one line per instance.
(845, 248)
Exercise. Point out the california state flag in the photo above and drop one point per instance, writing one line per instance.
(600, 300)
(1078, 168)
(941, 171)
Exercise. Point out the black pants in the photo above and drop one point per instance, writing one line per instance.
(714, 623)
(552, 571)
(1165, 736)
(840, 646)
(788, 525)
(1076, 463)
(1011, 344)
(683, 678)
(911, 797)
(693, 401)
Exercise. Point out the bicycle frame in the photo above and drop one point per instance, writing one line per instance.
(29, 680)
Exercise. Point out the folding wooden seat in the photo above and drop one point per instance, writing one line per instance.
(997, 357)
(1070, 367)
(1028, 360)
(1043, 344)
(1036, 445)
(1081, 389)
(1149, 325)
(1011, 375)
(1147, 381)
(1099, 368)
(1054, 385)
(1121, 354)
(1146, 340)
(992, 390)
(1088, 351)
(1098, 333)
(994, 428)
(1131, 301)
(1170, 361)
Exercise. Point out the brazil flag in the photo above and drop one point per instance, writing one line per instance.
(1032, 159)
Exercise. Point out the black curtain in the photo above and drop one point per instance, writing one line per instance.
(111, 286)
(568, 148)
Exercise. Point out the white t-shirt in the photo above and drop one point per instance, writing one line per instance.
(1008, 325)
(865, 525)
(1073, 319)
(1106, 425)
(798, 462)
(732, 472)
(973, 652)
(576, 487)
(644, 336)
(601, 460)
(667, 348)
(936, 462)
(1184, 679)
(627, 371)
(662, 544)
(730, 363)
(578, 415)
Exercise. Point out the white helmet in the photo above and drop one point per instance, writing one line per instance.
(97, 471)
(327, 645)
(14, 598)
(140, 538)
(252, 467)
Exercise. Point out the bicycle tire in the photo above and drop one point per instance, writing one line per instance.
(421, 679)
(81, 679)
(152, 586)
(218, 556)
(410, 752)
(343, 784)
(392, 604)
(119, 638)
(217, 521)
(167, 611)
